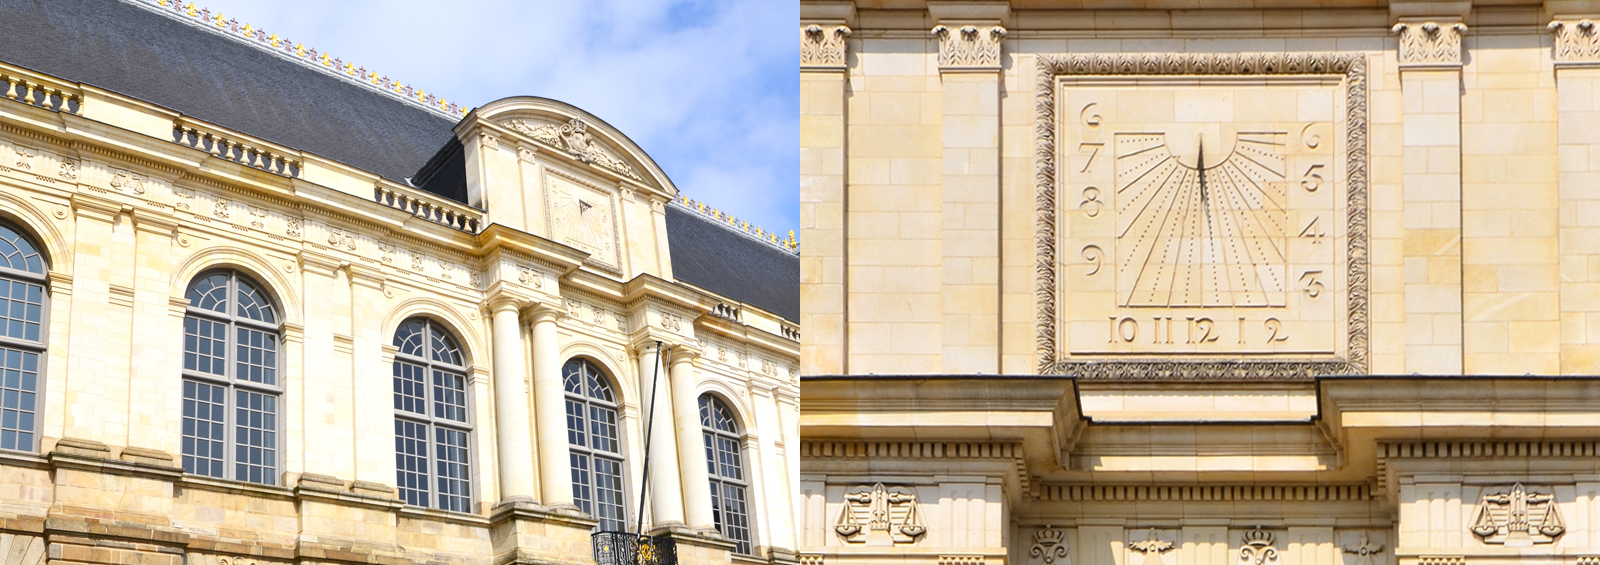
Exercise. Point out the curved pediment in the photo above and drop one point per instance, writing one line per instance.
(578, 134)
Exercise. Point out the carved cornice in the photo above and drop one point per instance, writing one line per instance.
(969, 47)
(1577, 43)
(1264, 493)
(1430, 44)
(823, 47)
(1053, 67)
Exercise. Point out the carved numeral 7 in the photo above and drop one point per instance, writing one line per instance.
(1083, 147)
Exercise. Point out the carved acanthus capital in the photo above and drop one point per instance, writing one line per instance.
(1577, 42)
(1430, 44)
(823, 47)
(969, 47)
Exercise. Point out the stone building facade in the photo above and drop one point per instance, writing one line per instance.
(1195, 283)
(266, 307)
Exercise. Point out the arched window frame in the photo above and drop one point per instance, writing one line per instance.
(24, 336)
(444, 447)
(730, 483)
(251, 407)
(593, 411)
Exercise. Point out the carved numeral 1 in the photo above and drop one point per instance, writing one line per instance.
(1126, 329)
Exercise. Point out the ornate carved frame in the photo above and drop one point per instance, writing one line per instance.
(1051, 67)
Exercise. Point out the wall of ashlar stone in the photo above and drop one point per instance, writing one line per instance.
(128, 222)
(1479, 260)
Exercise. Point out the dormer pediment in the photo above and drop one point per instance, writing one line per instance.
(573, 133)
(574, 138)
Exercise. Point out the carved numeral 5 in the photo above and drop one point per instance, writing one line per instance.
(1312, 180)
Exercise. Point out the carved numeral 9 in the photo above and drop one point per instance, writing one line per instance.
(1091, 253)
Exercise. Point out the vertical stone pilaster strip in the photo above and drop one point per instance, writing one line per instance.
(970, 74)
(1430, 82)
(1577, 68)
(154, 393)
(691, 446)
(666, 493)
(824, 67)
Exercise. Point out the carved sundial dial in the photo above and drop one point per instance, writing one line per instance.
(1203, 222)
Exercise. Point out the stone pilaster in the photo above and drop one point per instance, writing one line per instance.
(824, 59)
(1577, 69)
(666, 494)
(1430, 80)
(970, 73)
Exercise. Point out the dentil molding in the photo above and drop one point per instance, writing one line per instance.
(1430, 44)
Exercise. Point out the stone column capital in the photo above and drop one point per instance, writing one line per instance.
(823, 46)
(1429, 43)
(684, 353)
(502, 302)
(969, 47)
(1577, 42)
(539, 312)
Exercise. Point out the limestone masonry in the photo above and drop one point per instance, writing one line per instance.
(259, 306)
(1162, 282)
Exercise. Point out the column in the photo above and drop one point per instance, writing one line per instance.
(1430, 84)
(666, 496)
(550, 407)
(1577, 65)
(775, 470)
(823, 72)
(969, 72)
(691, 444)
(511, 403)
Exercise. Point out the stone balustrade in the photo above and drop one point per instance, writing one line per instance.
(35, 90)
(240, 149)
(430, 208)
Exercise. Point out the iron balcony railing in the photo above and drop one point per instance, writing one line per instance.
(623, 548)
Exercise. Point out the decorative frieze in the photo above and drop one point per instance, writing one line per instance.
(574, 137)
(1152, 547)
(1430, 44)
(969, 47)
(1363, 549)
(1577, 43)
(1516, 517)
(823, 47)
(880, 516)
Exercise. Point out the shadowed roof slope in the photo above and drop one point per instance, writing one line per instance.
(713, 257)
(133, 51)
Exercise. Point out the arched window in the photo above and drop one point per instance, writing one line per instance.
(230, 379)
(725, 462)
(592, 442)
(22, 333)
(432, 450)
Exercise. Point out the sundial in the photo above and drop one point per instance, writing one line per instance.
(1202, 219)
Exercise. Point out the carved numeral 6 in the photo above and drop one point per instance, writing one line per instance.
(1312, 180)
(1090, 119)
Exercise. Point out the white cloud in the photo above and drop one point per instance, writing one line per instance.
(707, 87)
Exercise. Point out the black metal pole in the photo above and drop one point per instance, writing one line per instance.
(649, 428)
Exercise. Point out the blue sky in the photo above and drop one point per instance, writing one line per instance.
(708, 87)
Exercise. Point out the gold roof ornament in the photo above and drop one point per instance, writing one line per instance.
(749, 230)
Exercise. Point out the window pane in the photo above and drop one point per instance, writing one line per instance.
(256, 356)
(253, 304)
(19, 379)
(603, 429)
(409, 338)
(203, 417)
(444, 348)
(450, 458)
(204, 345)
(18, 252)
(210, 293)
(411, 461)
(449, 396)
(21, 309)
(580, 483)
(735, 516)
(408, 389)
(255, 442)
(608, 495)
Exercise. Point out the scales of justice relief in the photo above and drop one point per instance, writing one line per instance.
(1202, 223)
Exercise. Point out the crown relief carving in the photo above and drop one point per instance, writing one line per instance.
(574, 136)
(1258, 549)
(1425, 44)
(1576, 43)
(823, 47)
(1049, 545)
(969, 47)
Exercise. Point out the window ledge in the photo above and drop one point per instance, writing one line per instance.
(420, 513)
(203, 482)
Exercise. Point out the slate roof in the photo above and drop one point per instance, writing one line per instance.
(709, 255)
(133, 51)
(136, 52)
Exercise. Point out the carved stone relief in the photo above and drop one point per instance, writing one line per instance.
(1258, 549)
(69, 169)
(1363, 549)
(1516, 517)
(574, 137)
(969, 47)
(823, 47)
(1152, 547)
(1049, 545)
(1294, 305)
(124, 180)
(1576, 42)
(880, 516)
(1430, 44)
(583, 216)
